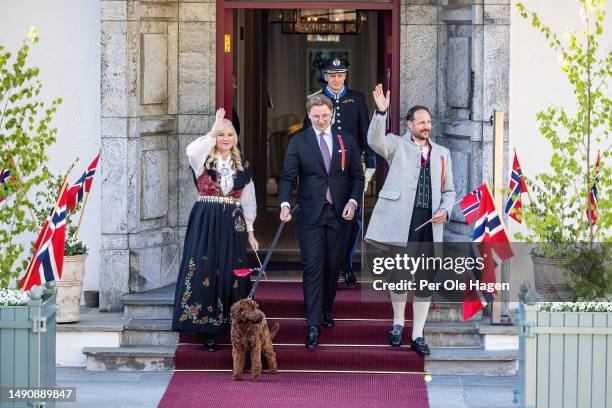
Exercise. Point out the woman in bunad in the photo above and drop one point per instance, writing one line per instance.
(220, 223)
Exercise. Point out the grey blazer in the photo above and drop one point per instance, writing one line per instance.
(390, 220)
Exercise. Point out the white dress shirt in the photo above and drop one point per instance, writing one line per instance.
(198, 150)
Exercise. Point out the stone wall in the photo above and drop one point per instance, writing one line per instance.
(158, 94)
(158, 78)
(455, 60)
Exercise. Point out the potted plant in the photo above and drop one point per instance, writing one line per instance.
(27, 319)
(70, 286)
(557, 221)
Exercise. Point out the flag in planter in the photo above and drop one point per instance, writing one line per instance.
(470, 204)
(514, 204)
(82, 185)
(493, 246)
(5, 176)
(592, 203)
(48, 260)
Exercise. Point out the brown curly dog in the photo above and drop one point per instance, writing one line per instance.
(250, 334)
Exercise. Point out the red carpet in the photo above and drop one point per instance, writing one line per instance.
(295, 390)
(352, 367)
(286, 299)
(350, 332)
(297, 357)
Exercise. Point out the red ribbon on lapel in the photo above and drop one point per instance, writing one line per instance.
(443, 172)
(342, 151)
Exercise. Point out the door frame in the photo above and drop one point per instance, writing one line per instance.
(225, 35)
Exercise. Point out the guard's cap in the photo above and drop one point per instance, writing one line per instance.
(335, 65)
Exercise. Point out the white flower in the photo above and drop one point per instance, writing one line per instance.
(14, 297)
(605, 307)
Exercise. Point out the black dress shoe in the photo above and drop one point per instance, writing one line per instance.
(420, 346)
(327, 320)
(349, 279)
(210, 344)
(396, 335)
(312, 337)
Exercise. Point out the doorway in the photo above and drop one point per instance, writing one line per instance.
(276, 68)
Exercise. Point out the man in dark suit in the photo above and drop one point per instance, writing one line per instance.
(327, 163)
(350, 114)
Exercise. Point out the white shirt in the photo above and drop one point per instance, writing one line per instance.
(198, 150)
(327, 135)
(424, 149)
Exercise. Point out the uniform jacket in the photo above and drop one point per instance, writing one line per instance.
(392, 213)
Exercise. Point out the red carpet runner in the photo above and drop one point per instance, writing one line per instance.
(353, 366)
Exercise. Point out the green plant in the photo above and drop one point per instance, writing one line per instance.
(557, 219)
(44, 202)
(603, 307)
(25, 133)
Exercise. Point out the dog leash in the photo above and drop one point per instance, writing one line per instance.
(269, 254)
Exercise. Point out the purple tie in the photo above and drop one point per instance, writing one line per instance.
(326, 160)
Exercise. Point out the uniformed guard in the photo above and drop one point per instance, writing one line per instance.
(350, 115)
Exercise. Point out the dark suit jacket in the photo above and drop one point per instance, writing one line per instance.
(305, 162)
(352, 116)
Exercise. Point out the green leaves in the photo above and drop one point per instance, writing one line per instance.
(25, 134)
(557, 220)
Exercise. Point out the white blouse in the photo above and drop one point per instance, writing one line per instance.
(198, 150)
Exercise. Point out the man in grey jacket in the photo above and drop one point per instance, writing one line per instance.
(418, 188)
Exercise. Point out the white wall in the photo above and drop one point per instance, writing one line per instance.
(68, 55)
(536, 79)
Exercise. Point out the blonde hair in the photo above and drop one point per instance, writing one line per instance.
(234, 152)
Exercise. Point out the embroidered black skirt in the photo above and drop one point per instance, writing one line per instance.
(215, 244)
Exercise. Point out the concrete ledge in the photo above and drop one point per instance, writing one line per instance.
(69, 345)
(496, 337)
(94, 329)
(151, 358)
(470, 361)
(92, 320)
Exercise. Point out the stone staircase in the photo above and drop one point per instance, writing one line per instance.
(148, 344)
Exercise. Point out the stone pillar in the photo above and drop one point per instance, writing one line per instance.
(157, 96)
(455, 57)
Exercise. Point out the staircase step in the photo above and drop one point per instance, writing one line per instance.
(472, 361)
(149, 332)
(285, 299)
(143, 332)
(298, 358)
(148, 358)
(362, 332)
(442, 361)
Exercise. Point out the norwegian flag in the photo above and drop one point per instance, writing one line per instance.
(5, 176)
(48, 260)
(514, 204)
(83, 184)
(493, 246)
(470, 204)
(591, 211)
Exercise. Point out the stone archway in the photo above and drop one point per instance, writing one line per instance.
(158, 94)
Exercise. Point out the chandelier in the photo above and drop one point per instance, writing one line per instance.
(313, 21)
